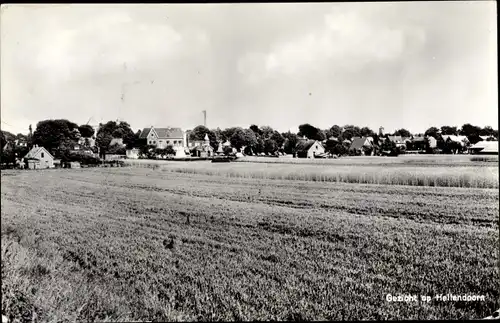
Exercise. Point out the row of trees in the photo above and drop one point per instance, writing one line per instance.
(60, 136)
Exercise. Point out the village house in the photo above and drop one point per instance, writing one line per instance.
(163, 137)
(38, 158)
(462, 140)
(202, 148)
(362, 144)
(418, 143)
(485, 148)
(309, 149)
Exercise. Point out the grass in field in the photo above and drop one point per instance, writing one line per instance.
(90, 245)
(440, 176)
(428, 160)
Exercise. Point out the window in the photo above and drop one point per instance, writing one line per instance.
(42, 155)
(154, 142)
(161, 141)
(168, 142)
(150, 142)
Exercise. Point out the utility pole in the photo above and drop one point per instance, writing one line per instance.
(204, 117)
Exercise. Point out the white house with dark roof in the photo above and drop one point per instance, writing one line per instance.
(309, 148)
(163, 137)
(39, 157)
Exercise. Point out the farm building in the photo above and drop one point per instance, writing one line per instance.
(459, 139)
(132, 153)
(163, 137)
(485, 148)
(309, 148)
(38, 158)
(362, 144)
(203, 148)
(399, 141)
(74, 165)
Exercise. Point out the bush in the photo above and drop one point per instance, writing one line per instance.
(83, 158)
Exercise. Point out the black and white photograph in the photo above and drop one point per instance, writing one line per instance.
(294, 161)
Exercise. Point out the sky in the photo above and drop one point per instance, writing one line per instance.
(408, 65)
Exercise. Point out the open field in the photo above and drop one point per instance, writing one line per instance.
(95, 244)
(441, 171)
(410, 160)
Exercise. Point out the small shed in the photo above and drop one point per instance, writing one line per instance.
(132, 153)
(309, 148)
(74, 165)
(38, 158)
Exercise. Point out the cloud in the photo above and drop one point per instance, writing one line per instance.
(347, 40)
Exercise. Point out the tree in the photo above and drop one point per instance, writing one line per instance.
(433, 132)
(243, 137)
(447, 130)
(402, 132)
(470, 130)
(138, 142)
(259, 147)
(102, 141)
(330, 146)
(86, 131)
(270, 146)
(367, 132)
(256, 129)
(56, 136)
(351, 131)
(339, 150)
(111, 130)
(118, 133)
(310, 132)
(278, 138)
(266, 132)
(218, 135)
(169, 150)
(487, 131)
(389, 147)
(116, 149)
(335, 131)
(290, 142)
(227, 150)
(199, 132)
(228, 133)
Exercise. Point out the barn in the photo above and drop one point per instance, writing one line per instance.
(38, 158)
(309, 148)
(485, 148)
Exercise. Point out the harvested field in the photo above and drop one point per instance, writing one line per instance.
(123, 244)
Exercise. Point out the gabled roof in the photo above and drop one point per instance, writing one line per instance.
(162, 133)
(360, 142)
(418, 139)
(396, 139)
(305, 145)
(34, 152)
(454, 138)
(486, 146)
